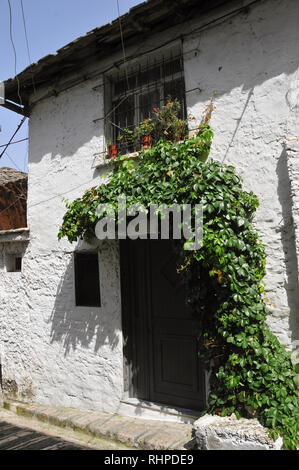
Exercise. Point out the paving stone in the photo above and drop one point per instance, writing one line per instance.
(43, 414)
(62, 418)
(161, 439)
(24, 410)
(132, 431)
(108, 426)
(83, 420)
(144, 440)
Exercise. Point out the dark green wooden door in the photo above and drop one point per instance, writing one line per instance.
(160, 333)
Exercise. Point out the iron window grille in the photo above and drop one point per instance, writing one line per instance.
(135, 92)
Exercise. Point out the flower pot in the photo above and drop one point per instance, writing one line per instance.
(112, 151)
(147, 141)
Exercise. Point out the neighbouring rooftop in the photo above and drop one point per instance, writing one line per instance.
(11, 175)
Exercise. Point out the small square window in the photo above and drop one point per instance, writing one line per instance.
(13, 263)
(87, 280)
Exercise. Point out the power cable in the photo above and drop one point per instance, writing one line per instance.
(27, 44)
(122, 44)
(10, 142)
(46, 200)
(15, 142)
(23, 195)
(13, 162)
(203, 27)
(181, 36)
(15, 52)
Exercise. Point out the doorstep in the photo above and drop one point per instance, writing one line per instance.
(137, 408)
(135, 432)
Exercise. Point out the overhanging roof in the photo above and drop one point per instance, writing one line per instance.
(142, 20)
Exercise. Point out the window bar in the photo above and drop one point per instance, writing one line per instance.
(164, 80)
(183, 94)
(149, 86)
(105, 119)
(147, 101)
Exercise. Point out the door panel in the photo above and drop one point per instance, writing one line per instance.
(135, 318)
(163, 334)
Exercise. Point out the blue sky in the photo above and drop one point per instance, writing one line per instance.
(50, 25)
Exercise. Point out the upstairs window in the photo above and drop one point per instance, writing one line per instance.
(135, 92)
(87, 280)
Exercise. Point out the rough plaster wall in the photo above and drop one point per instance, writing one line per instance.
(292, 158)
(250, 63)
(51, 350)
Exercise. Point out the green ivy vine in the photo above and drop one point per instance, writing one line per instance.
(251, 372)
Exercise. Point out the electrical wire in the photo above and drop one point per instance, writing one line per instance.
(10, 142)
(214, 21)
(15, 52)
(181, 37)
(26, 159)
(46, 200)
(15, 142)
(23, 195)
(13, 162)
(27, 44)
(123, 44)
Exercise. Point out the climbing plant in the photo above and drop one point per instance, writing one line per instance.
(251, 372)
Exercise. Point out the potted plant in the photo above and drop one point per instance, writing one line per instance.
(145, 131)
(112, 149)
(126, 138)
(168, 123)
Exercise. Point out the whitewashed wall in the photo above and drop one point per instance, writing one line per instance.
(53, 352)
(251, 63)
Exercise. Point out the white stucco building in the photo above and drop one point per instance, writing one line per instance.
(55, 350)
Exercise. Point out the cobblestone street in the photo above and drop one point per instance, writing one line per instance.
(19, 432)
(19, 438)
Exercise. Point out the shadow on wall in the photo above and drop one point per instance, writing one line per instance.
(85, 327)
(255, 63)
(289, 243)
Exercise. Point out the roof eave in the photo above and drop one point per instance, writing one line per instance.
(143, 19)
